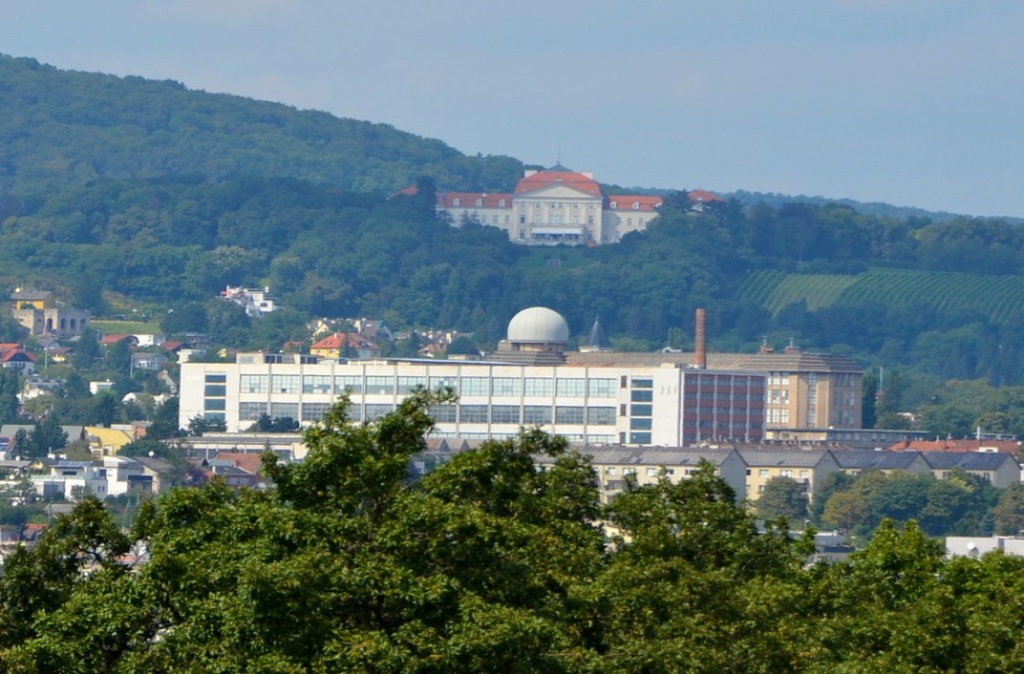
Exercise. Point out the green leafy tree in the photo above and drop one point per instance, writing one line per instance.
(86, 352)
(46, 438)
(783, 497)
(1008, 513)
(10, 387)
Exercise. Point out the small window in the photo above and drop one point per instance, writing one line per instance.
(636, 205)
(479, 203)
(456, 202)
(613, 205)
(501, 203)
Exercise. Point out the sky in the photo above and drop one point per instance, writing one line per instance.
(909, 102)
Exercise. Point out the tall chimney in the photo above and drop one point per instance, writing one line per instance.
(700, 356)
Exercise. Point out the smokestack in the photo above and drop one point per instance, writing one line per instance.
(700, 356)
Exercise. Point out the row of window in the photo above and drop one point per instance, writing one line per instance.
(650, 471)
(785, 472)
(389, 385)
(495, 414)
(706, 423)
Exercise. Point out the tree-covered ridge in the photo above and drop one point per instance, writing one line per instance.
(62, 128)
(486, 564)
(176, 242)
(159, 197)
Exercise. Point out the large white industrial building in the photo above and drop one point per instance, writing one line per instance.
(526, 383)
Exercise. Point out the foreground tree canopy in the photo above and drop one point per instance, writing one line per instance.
(485, 564)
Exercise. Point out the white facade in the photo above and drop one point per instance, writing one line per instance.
(555, 206)
(255, 302)
(663, 405)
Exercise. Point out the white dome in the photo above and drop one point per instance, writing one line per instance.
(538, 325)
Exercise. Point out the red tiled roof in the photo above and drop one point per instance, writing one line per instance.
(172, 345)
(248, 461)
(624, 202)
(339, 339)
(7, 346)
(469, 200)
(115, 339)
(335, 341)
(540, 179)
(704, 196)
(14, 353)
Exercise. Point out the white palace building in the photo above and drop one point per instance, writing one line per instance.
(530, 380)
(558, 205)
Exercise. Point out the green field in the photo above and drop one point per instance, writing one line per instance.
(998, 297)
(126, 327)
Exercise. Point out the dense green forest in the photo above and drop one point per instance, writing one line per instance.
(127, 193)
(486, 564)
(61, 128)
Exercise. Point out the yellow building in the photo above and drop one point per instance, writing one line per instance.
(32, 299)
(808, 467)
(803, 390)
(107, 441)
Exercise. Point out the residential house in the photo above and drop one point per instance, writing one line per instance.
(18, 359)
(345, 345)
(127, 476)
(856, 461)
(148, 361)
(1001, 470)
(108, 441)
(809, 467)
(255, 302)
(71, 480)
(617, 464)
(237, 469)
(119, 338)
(149, 339)
(160, 470)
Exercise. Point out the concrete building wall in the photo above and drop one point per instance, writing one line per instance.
(596, 405)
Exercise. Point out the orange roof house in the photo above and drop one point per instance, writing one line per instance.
(345, 345)
(109, 340)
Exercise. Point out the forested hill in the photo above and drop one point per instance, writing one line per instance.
(150, 196)
(63, 127)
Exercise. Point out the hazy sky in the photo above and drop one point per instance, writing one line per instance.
(911, 102)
